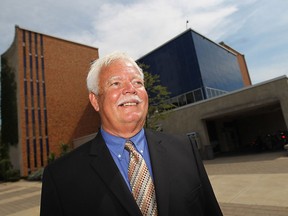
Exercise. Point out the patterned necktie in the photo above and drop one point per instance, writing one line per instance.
(141, 182)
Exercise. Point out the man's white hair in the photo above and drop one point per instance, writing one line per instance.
(96, 68)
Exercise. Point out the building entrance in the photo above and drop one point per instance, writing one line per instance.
(260, 129)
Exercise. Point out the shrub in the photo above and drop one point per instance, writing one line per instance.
(7, 173)
(36, 176)
(12, 175)
(51, 157)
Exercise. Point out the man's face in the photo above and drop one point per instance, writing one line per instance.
(122, 101)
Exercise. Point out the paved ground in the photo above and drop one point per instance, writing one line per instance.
(250, 185)
(20, 198)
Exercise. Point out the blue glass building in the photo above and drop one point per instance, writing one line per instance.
(194, 68)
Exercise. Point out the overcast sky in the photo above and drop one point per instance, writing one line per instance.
(256, 28)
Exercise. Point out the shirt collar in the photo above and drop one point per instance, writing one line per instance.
(116, 144)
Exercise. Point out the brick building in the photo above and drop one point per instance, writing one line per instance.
(44, 101)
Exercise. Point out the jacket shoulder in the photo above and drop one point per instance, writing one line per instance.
(77, 154)
(163, 136)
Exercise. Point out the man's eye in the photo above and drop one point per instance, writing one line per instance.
(138, 83)
(115, 84)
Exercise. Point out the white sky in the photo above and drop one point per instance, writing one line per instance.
(256, 28)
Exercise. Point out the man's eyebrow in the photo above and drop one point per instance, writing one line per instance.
(113, 78)
(137, 76)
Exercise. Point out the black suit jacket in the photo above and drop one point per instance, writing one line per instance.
(87, 181)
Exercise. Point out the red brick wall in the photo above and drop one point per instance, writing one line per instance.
(69, 113)
(66, 67)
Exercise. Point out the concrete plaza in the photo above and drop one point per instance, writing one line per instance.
(250, 185)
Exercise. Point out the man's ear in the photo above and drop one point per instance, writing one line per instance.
(94, 101)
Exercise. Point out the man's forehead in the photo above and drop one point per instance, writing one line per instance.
(121, 77)
(120, 62)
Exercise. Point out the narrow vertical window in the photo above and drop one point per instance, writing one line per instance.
(28, 155)
(41, 151)
(35, 152)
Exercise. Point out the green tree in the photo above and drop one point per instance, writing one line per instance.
(9, 128)
(7, 173)
(158, 97)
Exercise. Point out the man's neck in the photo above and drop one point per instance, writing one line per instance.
(124, 132)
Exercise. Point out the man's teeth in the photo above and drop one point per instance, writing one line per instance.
(129, 104)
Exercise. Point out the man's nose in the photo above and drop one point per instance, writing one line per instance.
(129, 88)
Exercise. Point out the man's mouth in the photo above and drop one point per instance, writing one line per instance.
(129, 101)
(129, 104)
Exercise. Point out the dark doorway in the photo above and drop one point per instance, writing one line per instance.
(257, 129)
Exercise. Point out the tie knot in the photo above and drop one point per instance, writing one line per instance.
(129, 146)
(132, 151)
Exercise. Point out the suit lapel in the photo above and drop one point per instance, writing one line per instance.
(104, 165)
(158, 157)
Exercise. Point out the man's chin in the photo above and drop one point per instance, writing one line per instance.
(132, 119)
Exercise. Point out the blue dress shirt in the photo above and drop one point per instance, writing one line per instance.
(121, 156)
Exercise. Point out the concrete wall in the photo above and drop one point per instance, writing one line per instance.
(193, 117)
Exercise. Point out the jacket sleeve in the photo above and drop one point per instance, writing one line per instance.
(50, 202)
(209, 202)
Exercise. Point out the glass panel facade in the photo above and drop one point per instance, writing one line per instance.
(176, 63)
(219, 67)
(190, 97)
(211, 92)
(191, 65)
(187, 98)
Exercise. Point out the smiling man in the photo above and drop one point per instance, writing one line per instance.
(120, 98)
(126, 169)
